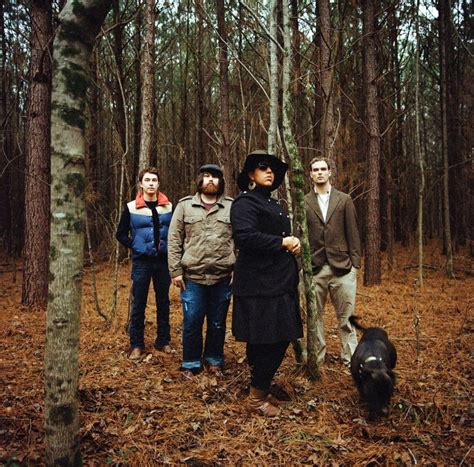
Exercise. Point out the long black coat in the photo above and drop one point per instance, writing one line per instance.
(263, 268)
(266, 308)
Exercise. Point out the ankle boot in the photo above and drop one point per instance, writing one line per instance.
(257, 402)
(274, 401)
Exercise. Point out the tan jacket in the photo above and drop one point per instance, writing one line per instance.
(335, 241)
(200, 244)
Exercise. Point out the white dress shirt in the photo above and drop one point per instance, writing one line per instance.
(323, 200)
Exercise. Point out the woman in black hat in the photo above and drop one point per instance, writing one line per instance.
(266, 309)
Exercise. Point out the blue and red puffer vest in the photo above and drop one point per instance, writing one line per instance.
(141, 226)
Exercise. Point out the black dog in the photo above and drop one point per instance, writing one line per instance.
(371, 367)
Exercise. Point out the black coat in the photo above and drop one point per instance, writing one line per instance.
(263, 268)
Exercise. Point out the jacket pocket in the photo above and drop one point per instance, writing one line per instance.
(192, 225)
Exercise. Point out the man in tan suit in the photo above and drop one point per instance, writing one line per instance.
(335, 254)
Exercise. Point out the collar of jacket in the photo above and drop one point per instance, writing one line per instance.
(196, 201)
(140, 200)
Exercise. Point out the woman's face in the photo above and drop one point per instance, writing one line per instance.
(263, 175)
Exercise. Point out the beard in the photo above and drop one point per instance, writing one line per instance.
(209, 189)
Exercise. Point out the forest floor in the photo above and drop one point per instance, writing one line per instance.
(147, 412)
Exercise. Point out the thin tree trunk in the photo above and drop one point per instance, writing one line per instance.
(146, 127)
(38, 142)
(372, 271)
(328, 130)
(224, 158)
(419, 154)
(443, 6)
(70, 81)
(274, 87)
(313, 319)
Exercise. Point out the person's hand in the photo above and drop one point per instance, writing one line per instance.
(178, 281)
(292, 244)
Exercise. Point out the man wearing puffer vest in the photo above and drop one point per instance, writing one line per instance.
(143, 228)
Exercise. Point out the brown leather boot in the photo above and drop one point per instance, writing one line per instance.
(274, 401)
(257, 402)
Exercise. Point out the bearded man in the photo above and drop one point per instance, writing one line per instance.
(200, 260)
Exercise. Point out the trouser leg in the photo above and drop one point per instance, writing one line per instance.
(320, 282)
(266, 359)
(141, 276)
(161, 284)
(218, 298)
(193, 301)
(343, 295)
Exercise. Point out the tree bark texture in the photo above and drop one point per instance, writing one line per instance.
(224, 158)
(38, 142)
(147, 89)
(80, 22)
(273, 79)
(372, 271)
(313, 318)
(326, 78)
(443, 8)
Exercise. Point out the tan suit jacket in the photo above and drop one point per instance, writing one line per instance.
(335, 241)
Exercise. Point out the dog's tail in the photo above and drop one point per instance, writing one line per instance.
(354, 321)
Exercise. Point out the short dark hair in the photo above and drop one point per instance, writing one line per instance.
(220, 187)
(320, 159)
(150, 170)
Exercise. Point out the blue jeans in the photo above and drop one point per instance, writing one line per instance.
(145, 269)
(212, 302)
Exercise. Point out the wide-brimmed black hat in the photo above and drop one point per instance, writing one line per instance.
(279, 168)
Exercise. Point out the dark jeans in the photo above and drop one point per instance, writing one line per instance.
(143, 270)
(264, 361)
(212, 302)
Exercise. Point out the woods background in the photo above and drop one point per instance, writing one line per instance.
(94, 90)
(158, 92)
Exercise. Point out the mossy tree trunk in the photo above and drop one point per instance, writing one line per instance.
(80, 22)
(298, 185)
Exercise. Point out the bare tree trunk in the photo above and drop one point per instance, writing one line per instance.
(372, 271)
(70, 81)
(146, 127)
(327, 70)
(199, 130)
(418, 151)
(224, 158)
(37, 195)
(443, 7)
(274, 87)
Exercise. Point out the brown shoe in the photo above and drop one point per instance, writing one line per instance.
(274, 401)
(258, 403)
(214, 370)
(165, 348)
(135, 353)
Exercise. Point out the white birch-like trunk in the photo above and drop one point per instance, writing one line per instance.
(79, 24)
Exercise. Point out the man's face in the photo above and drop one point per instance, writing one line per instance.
(149, 184)
(320, 172)
(210, 184)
